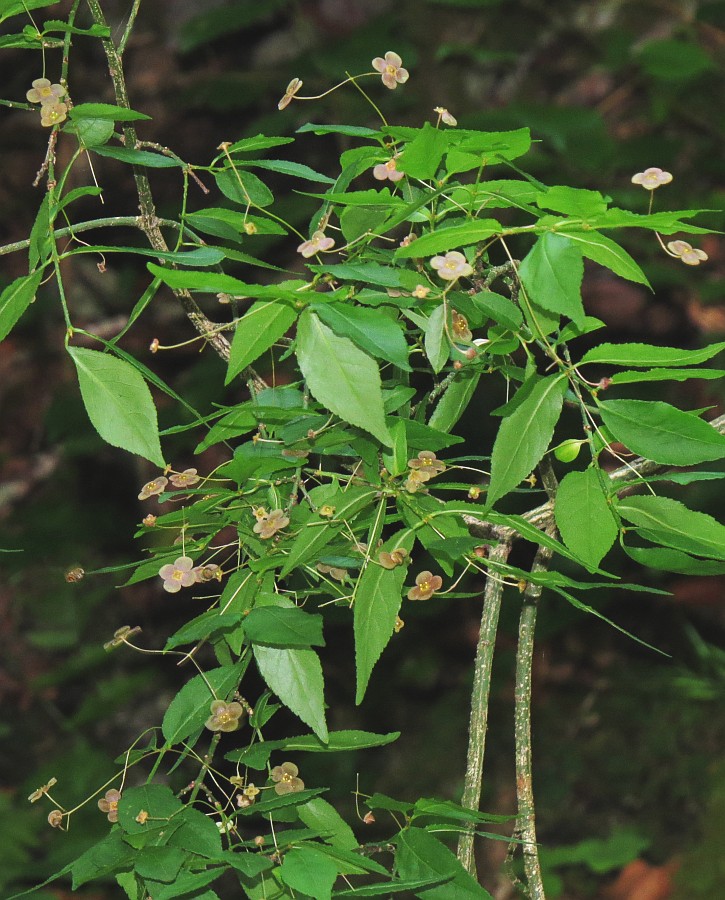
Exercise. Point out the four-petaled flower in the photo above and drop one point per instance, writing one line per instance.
(53, 114)
(393, 559)
(326, 511)
(416, 479)
(426, 584)
(224, 716)
(316, 244)
(41, 791)
(689, 255)
(152, 488)
(45, 93)
(184, 479)
(459, 324)
(451, 266)
(269, 524)
(391, 68)
(207, 572)
(286, 780)
(427, 465)
(109, 804)
(652, 178)
(445, 116)
(292, 88)
(332, 571)
(387, 170)
(421, 291)
(178, 574)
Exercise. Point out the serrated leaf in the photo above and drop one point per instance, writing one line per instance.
(661, 432)
(158, 800)
(15, 299)
(571, 201)
(668, 559)
(454, 402)
(118, 403)
(420, 855)
(189, 709)
(160, 863)
(105, 111)
(423, 154)
(666, 375)
(243, 188)
(583, 516)
(524, 436)
(671, 523)
(648, 355)
(196, 833)
(285, 167)
(279, 627)
(552, 274)
(308, 871)
(295, 676)
(436, 341)
(321, 816)
(603, 250)
(371, 330)
(264, 323)
(377, 601)
(341, 376)
(451, 238)
(109, 855)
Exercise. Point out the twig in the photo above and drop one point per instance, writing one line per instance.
(478, 725)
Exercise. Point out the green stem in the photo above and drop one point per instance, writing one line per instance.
(480, 693)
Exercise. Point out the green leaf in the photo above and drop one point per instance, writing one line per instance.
(109, 855)
(571, 201)
(446, 809)
(669, 560)
(420, 855)
(295, 676)
(500, 309)
(646, 355)
(450, 238)
(203, 626)
(666, 375)
(454, 402)
(671, 523)
(196, 833)
(279, 627)
(341, 376)
(105, 111)
(423, 154)
(372, 330)
(350, 130)
(308, 871)
(436, 340)
(524, 436)
(138, 157)
(189, 709)
(583, 516)
(552, 274)
(674, 60)
(377, 603)
(369, 273)
(321, 816)
(40, 241)
(158, 800)
(15, 299)
(118, 403)
(608, 253)
(258, 142)
(661, 432)
(319, 531)
(93, 133)
(285, 167)
(243, 188)
(258, 755)
(160, 863)
(264, 323)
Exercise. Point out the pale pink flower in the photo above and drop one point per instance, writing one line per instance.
(184, 479)
(208, 572)
(445, 116)
(224, 716)
(44, 92)
(451, 266)
(286, 779)
(689, 255)
(269, 524)
(426, 584)
(387, 170)
(292, 88)
(53, 114)
(109, 804)
(316, 244)
(178, 574)
(391, 68)
(153, 488)
(652, 178)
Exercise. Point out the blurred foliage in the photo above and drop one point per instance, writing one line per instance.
(629, 747)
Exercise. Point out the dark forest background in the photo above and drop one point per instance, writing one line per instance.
(629, 746)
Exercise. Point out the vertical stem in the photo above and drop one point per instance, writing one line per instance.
(478, 725)
(526, 817)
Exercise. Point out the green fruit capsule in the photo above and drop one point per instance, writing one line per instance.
(568, 451)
